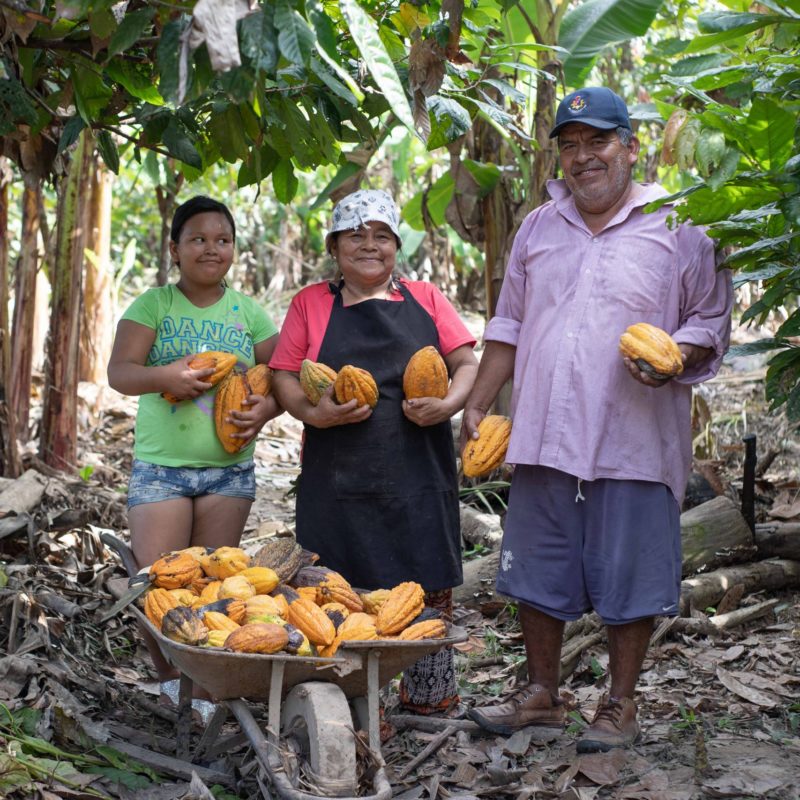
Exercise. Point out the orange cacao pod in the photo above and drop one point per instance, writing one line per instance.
(232, 393)
(222, 363)
(654, 351)
(237, 610)
(215, 621)
(156, 603)
(238, 587)
(174, 571)
(315, 378)
(358, 627)
(429, 629)
(224, 562)
(487, 452)
(257, 637)
(259, 379)
(311, 620)
(355, 383)
(425, 375)
(210, 594)
(264, 579)
(404, 602)
(331, 587)
(183, 597)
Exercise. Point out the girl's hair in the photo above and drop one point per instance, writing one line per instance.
(200, 204)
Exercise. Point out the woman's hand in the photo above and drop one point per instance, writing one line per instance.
(425, 411)
(183, 381)
(328, 413)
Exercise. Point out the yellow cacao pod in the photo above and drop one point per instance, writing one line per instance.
(429, 629)
(215, 621)
(195, 552)
(355, 383)
(224, 562)
(210, 594)
(261, 604)
(174, 571)
(257, 637)
(404, 602)
(222, 363)
(358, 627)
(259, 379)
(264, 579)
(231, 394)
(238, 587)
(183, 597)
(315, 378)
(309, 592)
(653, 350)
(312, 621)
(183, 625)
(217, 638)
(488, 451)
(372, 601)
(157, 602)
(425, 375)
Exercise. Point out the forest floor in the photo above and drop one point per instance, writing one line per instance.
(720, 716)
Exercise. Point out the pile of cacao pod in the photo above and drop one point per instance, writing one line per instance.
(278, 600)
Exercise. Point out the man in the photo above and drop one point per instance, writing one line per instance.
(602, 450)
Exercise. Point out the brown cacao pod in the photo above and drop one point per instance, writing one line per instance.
(429, 629)
(231, 394)
(259, 379)
(355, 383)
(372, 601)
(487, 452)
(425, 375)
(225, 562)
(283, 555)
(309, 618)
(183, 625)
(215, 621)
(261, 604)
(654, 351)
(222, 363)
(404, 602)
(174, 571)
(157, 602)
(238, 587)
(315, 378)
(257, 637)
(264, 579)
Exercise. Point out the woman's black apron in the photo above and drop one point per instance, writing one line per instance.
(378, 499)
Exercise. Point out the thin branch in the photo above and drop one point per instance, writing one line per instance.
(531, 24)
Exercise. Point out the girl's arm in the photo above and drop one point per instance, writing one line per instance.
(128, 374)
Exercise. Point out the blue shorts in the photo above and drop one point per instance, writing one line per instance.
(570, 546)
(152, 483)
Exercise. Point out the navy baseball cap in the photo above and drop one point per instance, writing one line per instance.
(596, 106)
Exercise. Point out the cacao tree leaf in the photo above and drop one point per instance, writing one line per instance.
(725, 26)
(180, 145)
(336, 86)
(284, 181)
(485, 175)
(726, 170)
(771, 132)
(709, 150)
(380, 66)
(694, 65)
(449, 120)
(324, 28)
(136, 79)
(228, 134)
(295, 37)
(258, 165)
(108, 150)
(258, 39)
(70, 133)
(745, 254)
(16, 107)
(91, 94)
(131, 28)
(438, 198)
(506, 90)
(167, 59)
(345, 173)
(102, 23)
(412, 212)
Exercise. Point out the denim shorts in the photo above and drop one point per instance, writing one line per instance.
(611, 545)
(152, 483)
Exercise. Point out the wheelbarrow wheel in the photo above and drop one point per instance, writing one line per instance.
(317, 717)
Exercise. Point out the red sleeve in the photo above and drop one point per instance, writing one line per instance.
(452, 331)
(304, 328)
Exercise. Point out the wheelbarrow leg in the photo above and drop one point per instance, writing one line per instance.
(373, 700)
(184, 726)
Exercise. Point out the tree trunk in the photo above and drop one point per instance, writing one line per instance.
(58, 440)
(22, 330)
(97, 321)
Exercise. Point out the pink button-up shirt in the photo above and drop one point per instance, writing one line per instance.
(566, 298)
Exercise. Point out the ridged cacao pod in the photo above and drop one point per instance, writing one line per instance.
(315, 378)
(425, 375)
(264, 579)
(404, 602)
(372, 601)
(283, 555)
(183, 625)
(654, 351)
(237, 586)
(298, 644)
(183, 597)
(232, 393)
(429, 629)
(261, 604)
(198, 584)
(312, 621)
(358, 627)
(156, 603)
(282, 603)
(215, 621)
(487, 452)
(355, 383)
(259, 379)
(331, 587)
(222, 363)
(225, 562)
(257, 637)
(196, 552)
(217, 638)
(236, 610)
(308, 592)
(174, 571)
(337, 613)
(210, 594)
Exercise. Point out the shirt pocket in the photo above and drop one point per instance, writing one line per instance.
(639, 278)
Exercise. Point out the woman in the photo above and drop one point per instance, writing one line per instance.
(377, 497)
(185, 489)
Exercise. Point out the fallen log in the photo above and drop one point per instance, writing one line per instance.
(23, 494)
(742, 615)
(778, 539)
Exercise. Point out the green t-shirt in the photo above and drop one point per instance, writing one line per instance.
(183, 435)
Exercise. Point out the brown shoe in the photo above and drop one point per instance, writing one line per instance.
(533, 705)
(614, 725)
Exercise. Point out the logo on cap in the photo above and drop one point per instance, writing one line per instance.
(577, 104)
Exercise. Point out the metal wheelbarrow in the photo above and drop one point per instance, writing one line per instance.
(308, 701)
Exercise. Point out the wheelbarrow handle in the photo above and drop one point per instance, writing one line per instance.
(122, 550)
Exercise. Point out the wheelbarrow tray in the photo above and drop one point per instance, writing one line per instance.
(226, 675)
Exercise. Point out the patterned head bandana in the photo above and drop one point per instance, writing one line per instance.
(366, 205)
